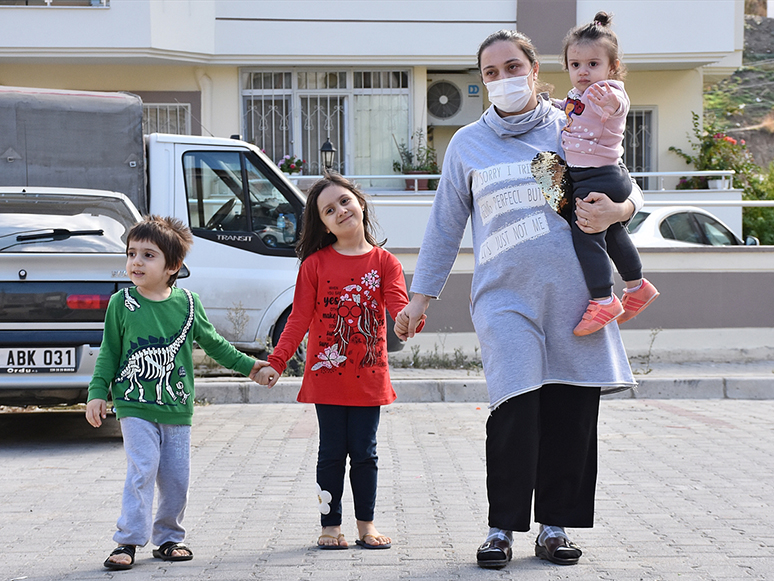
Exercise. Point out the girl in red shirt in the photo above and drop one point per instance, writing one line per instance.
(344, 284)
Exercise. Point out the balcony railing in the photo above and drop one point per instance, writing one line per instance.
(722, 179)
(57, 3)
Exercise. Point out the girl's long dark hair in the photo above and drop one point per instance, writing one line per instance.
(314, 235)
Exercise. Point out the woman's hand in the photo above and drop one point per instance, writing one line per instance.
(596, 212)
(412, 314)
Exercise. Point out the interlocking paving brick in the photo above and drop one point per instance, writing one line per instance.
(686, 491)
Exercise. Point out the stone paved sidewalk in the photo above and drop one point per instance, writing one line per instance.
(686, 492)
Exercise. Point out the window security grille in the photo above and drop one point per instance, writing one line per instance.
(294, 112)
(638, 144)
(172, 118)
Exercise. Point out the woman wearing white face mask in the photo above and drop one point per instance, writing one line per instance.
(527, 294)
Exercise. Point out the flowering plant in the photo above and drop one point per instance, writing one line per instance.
(291, 164)
(714, 151)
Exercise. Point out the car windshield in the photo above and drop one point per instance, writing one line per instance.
(63, 223)
(635, 222)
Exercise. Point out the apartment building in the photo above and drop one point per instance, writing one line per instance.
(367, 74)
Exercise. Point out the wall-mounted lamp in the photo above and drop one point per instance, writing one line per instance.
(327, 153)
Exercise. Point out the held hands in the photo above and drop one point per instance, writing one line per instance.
(409, 319)
(268, 376)
(596, 212)
(602, 96)
(263, 366)
(257, 366)
(96, 411)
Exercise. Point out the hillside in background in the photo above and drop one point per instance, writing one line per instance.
(743, 104)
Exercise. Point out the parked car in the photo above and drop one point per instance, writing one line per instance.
(680, 226)
(62, 254)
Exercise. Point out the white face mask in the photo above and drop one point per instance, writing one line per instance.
(510, 95)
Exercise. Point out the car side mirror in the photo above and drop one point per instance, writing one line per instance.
(751, 241)
(184, 272)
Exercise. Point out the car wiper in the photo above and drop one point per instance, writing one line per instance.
(58, 234)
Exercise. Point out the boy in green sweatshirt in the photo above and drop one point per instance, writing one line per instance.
(146, 357)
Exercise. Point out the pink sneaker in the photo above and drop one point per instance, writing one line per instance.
(635, 302)
(597, 316)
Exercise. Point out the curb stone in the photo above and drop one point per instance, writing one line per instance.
(473, 389)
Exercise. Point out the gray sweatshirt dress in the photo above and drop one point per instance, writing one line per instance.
(528, 291)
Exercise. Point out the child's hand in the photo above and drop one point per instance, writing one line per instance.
(268, 376)
(603, 96)
(403, 327)
(96, 411)
(257, 366)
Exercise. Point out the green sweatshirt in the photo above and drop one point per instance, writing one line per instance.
(147, 355)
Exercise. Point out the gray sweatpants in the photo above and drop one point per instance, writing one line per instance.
(156, 454)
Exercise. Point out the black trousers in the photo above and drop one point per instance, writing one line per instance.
(347, 431)
(595, 251)
(543, 441)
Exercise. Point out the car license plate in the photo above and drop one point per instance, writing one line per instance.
(37, 359)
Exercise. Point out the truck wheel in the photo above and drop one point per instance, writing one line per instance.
(296, 364)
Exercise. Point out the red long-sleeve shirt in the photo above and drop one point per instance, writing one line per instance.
(341, 301)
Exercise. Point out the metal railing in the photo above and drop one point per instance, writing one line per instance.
(724, 177)
(57, 3)
(415, 178)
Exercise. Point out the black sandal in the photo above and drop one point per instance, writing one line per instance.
(164, 552)
(121, 550)
(558, 550)
(494, 553)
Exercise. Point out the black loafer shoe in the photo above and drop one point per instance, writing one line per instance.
(558, 550)
(494, 554)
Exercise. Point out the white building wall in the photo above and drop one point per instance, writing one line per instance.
(127, 29)
(425, 32)
(356, 31)
(200, 45)
(675, 29)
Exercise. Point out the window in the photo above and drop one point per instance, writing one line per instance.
(216, 183)
(166, 118)
(68, 3)
(363, 112)
(638, 144)
(716, 233)
(680, 227)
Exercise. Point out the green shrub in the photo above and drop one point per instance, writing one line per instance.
(759, 222)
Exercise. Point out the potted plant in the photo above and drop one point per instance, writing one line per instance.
(419, 158)
(291, 164)
(714, 151)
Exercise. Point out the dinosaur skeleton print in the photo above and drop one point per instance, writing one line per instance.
(153, 360)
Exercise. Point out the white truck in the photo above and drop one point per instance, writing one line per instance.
(244, 214)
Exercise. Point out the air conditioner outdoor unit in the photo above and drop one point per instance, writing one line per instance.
(454, 99)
